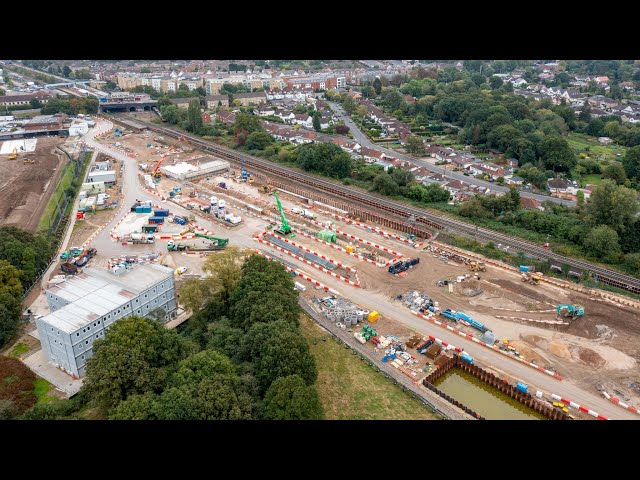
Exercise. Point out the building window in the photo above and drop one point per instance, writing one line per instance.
(84, 330)
(78, 334)
(82, 357)
(137, 300)
(86, 342)
(94, 324)
(118, 310)
(98, 322)
(145, 295)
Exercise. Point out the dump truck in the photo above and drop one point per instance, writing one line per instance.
(140, 238)
(532, 278)
(69, 268)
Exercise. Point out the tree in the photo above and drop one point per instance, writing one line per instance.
(200, 366)
(603, 242)
(514, 199)
(631, 162)
(135, 357)
(35, 103)
(288, 398)
(258, 140)
(585, 113)
(316, 121)
(342, 129)
(221, 397)
(415, 145)
(194, 293)
(632, 262)
(10, 279)
(194, 117)
(611, 205)
(377, 85)
(9, 316)
(385, 184)
(615, 172)
(349, 105)
(224, 270)
(326, 158)
(285, 354)
(246, 124)
(556, 153)
(66, 71)
(495, 82)
(223, 336)
(258, 335)
(136, 407)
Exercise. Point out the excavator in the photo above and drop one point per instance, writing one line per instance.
(156, 173)
(284, 229)
(13, 155)
(221, 242)
(477, 266)
(572, 311)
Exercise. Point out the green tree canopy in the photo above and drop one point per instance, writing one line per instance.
(136, 407)
(136, 356)
(285, 354)
(611, 205)
(258, 140)
(288, 398)
(603, 242)
(631, 162)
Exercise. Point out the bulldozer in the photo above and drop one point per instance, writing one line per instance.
(532, 278)
(265, 189)
(477, 266)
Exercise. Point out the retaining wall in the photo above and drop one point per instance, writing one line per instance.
(495, 382)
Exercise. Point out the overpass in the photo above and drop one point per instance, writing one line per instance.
(127, 106)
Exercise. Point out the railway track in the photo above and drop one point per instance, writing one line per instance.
(423, 217)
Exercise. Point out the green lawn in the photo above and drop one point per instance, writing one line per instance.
(580, 141)
(593, 179)
(350, 389)
(65, 180)
(42, 389)
(18, 350)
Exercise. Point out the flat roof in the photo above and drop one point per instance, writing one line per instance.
(96, 291)
(183, 167)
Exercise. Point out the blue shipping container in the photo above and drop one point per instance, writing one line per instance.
(156, 219)
(161, 212)
(522, 387)
(179, 220)
(524, 268)
(143, 209)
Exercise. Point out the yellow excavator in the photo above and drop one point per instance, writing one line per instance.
(13, 155)
(477, 266)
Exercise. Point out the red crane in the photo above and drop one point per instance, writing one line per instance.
(155, 173)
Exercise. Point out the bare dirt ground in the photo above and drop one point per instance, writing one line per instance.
(26, 188)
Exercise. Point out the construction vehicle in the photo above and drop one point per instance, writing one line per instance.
(27, 160)
(284, 229)
(13, 155)
(572, 311)
(192, 194)
(532, 278)
(69, 268)
(220, 242)
(156, 174)
(265, 189)
(181, 247)
(477, 266)
(137, 238)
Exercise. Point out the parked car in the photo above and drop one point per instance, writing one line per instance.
(180, 270)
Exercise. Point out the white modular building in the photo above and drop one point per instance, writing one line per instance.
(83, 307)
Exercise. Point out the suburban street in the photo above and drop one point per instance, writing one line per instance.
(363, 140)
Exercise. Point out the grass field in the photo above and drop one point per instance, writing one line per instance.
(18, 350)
(580, 141)
(42, 389)
(65, 180)
(350, 389)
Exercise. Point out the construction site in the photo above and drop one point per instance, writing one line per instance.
(385, 287)
(30, 169)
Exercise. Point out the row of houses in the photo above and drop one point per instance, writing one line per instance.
(391, 126)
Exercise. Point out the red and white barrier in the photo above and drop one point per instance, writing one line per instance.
(579, 407)
(336, 247)
(201, 229)
(314, 265)
(152, 191)
(373, 229)
(432, 319)
(301, 275)
(445, 344)
(346, 267)
(622, 404)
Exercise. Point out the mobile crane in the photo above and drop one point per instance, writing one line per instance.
(156, 174)
(284, 229)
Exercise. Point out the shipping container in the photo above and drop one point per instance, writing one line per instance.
(178, 220)
(156, 220)
(161, 212)
(522, 387)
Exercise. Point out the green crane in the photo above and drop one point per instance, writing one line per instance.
(285, 229)
(221, 242)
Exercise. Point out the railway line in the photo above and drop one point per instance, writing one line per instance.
(428, 219)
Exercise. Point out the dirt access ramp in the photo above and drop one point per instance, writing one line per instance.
(26, 188)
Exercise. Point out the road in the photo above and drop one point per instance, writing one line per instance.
(363, 140)
(132, 190)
